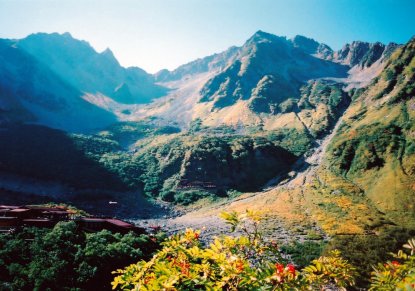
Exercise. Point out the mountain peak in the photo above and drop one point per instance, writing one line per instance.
(363, 53)
(308, 45)
(67, 34)
(108, 52)
(303, 39)
(262, 33)
(261, 36)
(55, 35)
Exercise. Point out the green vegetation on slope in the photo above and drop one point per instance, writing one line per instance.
(65, 258)
(375, 147)
(371, 159)
(156, 163)
(229, 162)
(52, 155)
(321, 104)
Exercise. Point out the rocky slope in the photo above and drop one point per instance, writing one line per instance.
(374, 150)
(32, 92)
(262, 83)
(360, 180)
(81, 66)
(51, 78)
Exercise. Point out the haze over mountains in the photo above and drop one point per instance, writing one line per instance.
(49, 75)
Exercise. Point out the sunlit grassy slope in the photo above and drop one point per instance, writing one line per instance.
(372, 157)
(367, 179)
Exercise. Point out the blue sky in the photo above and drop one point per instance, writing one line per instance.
(156, 34)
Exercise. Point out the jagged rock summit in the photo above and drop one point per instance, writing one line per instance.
(57, 80)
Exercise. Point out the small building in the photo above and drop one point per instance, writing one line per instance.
(20, 212)
(38, 222)
(7, 223)
(123, 227)
(39, 216)
(60, 215)
(185, 184)
(9, 207)
(91, 224)
(4, 211)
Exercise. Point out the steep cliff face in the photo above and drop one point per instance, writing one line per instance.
(312, 47)
(363, 54)
(374, 148)
(263, 82)
(30, 91)
(268, 70)
(81, 66)
(54, 80)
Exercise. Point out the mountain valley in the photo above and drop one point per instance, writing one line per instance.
(311, 136)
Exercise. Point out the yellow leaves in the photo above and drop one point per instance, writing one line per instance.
(344, 202)
(230, 218)
(117, 281)
(231, 263)
(330, 269)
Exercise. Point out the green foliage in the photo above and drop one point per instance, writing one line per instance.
(94, 145)
(47, 154)
(330, 270)
(127, 133)
(195, 126)
(324, 102)
(229, 162)
(366, 251)
(189, 196)
(400, 75)
(398, 274)
(99, 162)
(293, 140)
(64, 258)
(244, 262)
(313, 235)
(368, 149)
(303, 253)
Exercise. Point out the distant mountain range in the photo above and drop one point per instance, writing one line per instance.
(56, 80)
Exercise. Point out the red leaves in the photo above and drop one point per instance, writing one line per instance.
(183, 265)
(284, 273)
(291, 269)
(197, 235)
(239, 266)
(279, 268)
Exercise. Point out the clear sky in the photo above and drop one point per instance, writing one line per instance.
(156, 34)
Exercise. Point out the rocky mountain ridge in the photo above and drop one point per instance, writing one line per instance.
(46, 78)
(259, 83)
